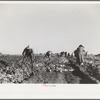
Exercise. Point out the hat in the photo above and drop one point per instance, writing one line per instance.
(81, 46)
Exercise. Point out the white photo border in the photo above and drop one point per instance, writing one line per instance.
(60, 91)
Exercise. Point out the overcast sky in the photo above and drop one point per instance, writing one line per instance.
(55, 27)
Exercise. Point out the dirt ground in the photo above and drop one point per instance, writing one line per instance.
(58, 70)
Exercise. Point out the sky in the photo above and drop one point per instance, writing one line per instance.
(44, 26)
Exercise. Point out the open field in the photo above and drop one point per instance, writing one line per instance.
(58, 70)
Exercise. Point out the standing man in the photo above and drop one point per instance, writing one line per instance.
(79, 54)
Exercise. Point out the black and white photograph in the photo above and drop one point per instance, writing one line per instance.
(49, 43)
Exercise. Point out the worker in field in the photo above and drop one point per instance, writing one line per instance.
(28, 54)
(48, 55)
(24, 53)
(79, 54)
(68, 55)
